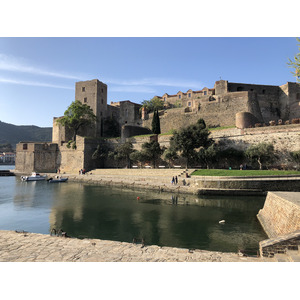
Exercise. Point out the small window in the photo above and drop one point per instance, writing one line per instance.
(179, 96)
(189, 104)
(83, 89)
(189, 95)
(102, 90)
(298, 96)
(101, 113)
(101, 101)
(205, 93)
(263, 91)
(165, 99)
(24, 146)
(85, 100)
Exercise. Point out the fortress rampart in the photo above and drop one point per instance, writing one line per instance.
(227, 104)
(220, 105)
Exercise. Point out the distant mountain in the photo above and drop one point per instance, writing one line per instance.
(14, 134)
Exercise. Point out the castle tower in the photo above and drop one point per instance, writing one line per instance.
(94, 94)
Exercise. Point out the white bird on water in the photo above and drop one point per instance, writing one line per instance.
(222, 221)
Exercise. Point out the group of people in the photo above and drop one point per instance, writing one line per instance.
(243, 167)
(174, 180)
(81, 171)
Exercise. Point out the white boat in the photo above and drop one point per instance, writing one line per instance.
(33, 177)
(57, 179)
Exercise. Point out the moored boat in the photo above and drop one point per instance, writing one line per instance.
(33, 177)
(57, 179)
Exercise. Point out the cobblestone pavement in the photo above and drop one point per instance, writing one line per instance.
(32, 247)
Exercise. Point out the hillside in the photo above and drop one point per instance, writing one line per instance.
(14, 134)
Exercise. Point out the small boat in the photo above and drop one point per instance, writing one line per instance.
(33, 177)
(57, 179)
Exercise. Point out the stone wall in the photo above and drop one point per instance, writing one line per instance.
(280, 214)
(129, 130)
(259, 185)
(38, 157)
(285, 138)
(217, 111)
(70, 160)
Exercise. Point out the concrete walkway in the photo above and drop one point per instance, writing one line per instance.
(32, 247)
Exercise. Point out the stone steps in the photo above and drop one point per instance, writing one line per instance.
(141, 172)
(289, 256)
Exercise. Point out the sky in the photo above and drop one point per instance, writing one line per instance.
(38, 75)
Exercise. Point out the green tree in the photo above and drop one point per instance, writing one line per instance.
(138, 156)
(101, 153)
(122, 152)
(187, 140)
(295, 64)
(170, 155)
(209, 155)
(78, 115)
(262, 153)
(150, 152)
(156, 123)
(153, 104)
(231, 157)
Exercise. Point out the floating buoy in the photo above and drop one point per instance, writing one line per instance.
(138, 198)
(222, 221)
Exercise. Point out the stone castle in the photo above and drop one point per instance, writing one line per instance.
(227, 104)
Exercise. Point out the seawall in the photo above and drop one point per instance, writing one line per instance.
(280, 214)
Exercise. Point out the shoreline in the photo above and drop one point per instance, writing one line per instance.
(35, 247)
(194, 185)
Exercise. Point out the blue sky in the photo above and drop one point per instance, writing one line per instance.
(38, 75)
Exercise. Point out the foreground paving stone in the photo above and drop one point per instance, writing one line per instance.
(33, 247)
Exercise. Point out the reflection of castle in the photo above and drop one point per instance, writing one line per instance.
(227, 104)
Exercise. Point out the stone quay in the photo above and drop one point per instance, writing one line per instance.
(33, 247)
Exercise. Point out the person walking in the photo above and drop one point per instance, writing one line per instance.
(173, 180)
(176, 180)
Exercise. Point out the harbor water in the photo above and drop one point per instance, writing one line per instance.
(113, 213)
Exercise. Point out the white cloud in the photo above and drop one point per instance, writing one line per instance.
(34, 83)
(158, 82)
(131, 89)
(18, 65)
(10, 63)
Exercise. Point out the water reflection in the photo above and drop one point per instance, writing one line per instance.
(159, 218)
(121, 214)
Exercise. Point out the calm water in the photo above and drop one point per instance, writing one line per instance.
(164, 219)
